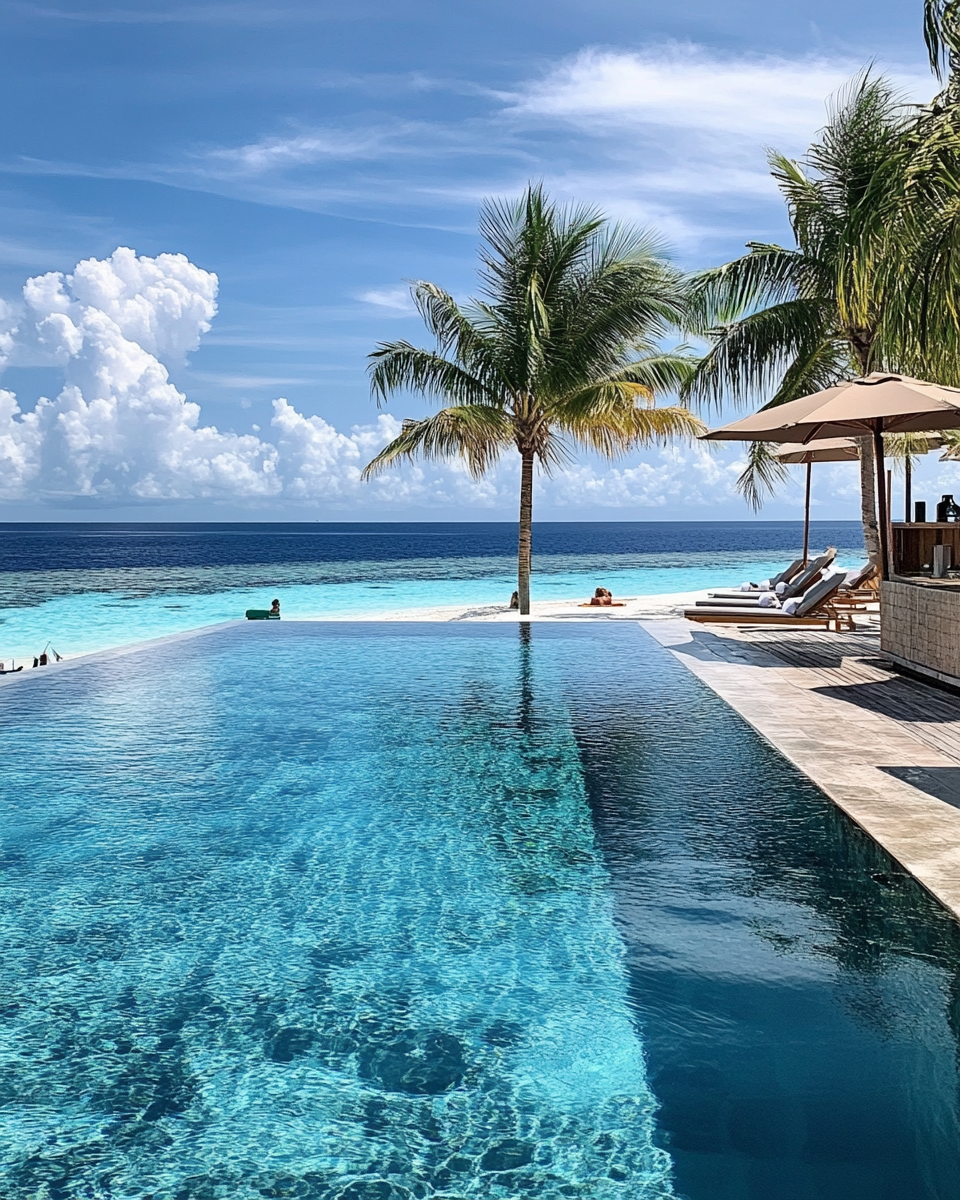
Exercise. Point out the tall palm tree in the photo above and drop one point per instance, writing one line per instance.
(563, 347)
(839, 303)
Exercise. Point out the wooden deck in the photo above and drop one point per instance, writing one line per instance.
(851, 667)
(884, 747)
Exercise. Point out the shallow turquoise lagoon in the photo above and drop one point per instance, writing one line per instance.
(382, 912)
(86, 610)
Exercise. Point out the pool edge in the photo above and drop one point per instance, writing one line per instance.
(836, 752)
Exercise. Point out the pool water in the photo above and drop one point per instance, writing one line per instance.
(374, 912)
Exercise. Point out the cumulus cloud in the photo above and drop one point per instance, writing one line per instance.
(119, 430)
(119, 427)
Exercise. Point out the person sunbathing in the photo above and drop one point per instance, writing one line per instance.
(602, 598)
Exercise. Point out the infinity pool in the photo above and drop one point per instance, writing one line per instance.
(361, 912)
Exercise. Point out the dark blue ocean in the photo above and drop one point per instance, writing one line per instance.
(83, 587)
(86, 547)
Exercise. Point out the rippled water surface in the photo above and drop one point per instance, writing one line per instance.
(380, 912)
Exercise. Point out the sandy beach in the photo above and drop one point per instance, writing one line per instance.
(648, 608)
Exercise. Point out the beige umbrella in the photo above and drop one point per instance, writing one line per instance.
(876, 404)
(822, 450)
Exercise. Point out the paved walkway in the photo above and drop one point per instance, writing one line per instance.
(885, 748)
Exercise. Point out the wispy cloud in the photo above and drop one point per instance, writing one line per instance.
(684, 87)
(246, 382)
(673, 135)
(396, 299)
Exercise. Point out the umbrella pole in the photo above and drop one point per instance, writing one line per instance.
(881, 500)
(806, 517)
(907, 487)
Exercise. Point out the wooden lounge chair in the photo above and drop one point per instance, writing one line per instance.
(864, 585)
(804, 581)
(860, 587)
(784, 577)
(796, 586)
(817, 607)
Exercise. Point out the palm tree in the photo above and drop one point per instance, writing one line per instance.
(563, 347)
(842, 301)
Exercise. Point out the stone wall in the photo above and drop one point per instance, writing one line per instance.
(920, 628)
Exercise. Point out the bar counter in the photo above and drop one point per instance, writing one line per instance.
(920, 626)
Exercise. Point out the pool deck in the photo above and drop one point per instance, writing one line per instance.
(884, 748)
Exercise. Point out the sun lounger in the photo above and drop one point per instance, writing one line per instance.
(794, 586)
(755, 589)
(815, 607)
(866, 593)
(863, 584)
(806, 579)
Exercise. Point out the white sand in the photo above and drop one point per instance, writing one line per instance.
(634, 608)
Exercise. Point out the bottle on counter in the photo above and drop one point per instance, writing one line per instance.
(947, 510)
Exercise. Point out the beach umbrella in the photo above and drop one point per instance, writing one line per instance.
(822, 450)
(876, 404)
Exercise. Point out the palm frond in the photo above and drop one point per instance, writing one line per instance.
(476, 433)
(395, 366)
(762, 475)
(769, 274)
(951, 445)
(941, 32)
(749, 357)
(613, 417)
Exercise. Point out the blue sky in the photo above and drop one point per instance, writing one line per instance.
(314, 156)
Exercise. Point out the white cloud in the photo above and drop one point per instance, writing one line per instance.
(119, 430)
(647, 134)
(683, 87)
(119, 427)
(303, 149)
(396, 299)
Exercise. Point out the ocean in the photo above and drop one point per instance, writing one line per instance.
(80, 587)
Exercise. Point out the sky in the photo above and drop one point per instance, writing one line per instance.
(211, 213)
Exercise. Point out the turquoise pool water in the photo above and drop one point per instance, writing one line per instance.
(373, 912)
(332, 916)
(82, 611)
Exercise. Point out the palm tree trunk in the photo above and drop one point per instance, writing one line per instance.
(861, 342)
(526, 531)
(868, 499)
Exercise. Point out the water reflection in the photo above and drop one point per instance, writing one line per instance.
(797, 991)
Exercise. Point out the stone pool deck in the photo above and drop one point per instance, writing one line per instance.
(884, 748)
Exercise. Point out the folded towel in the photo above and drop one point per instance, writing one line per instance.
(748, 587)
(767, 600)
(791, 606)
(780, 588)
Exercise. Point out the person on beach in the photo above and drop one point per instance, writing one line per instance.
(275, 608)
(603, 598)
